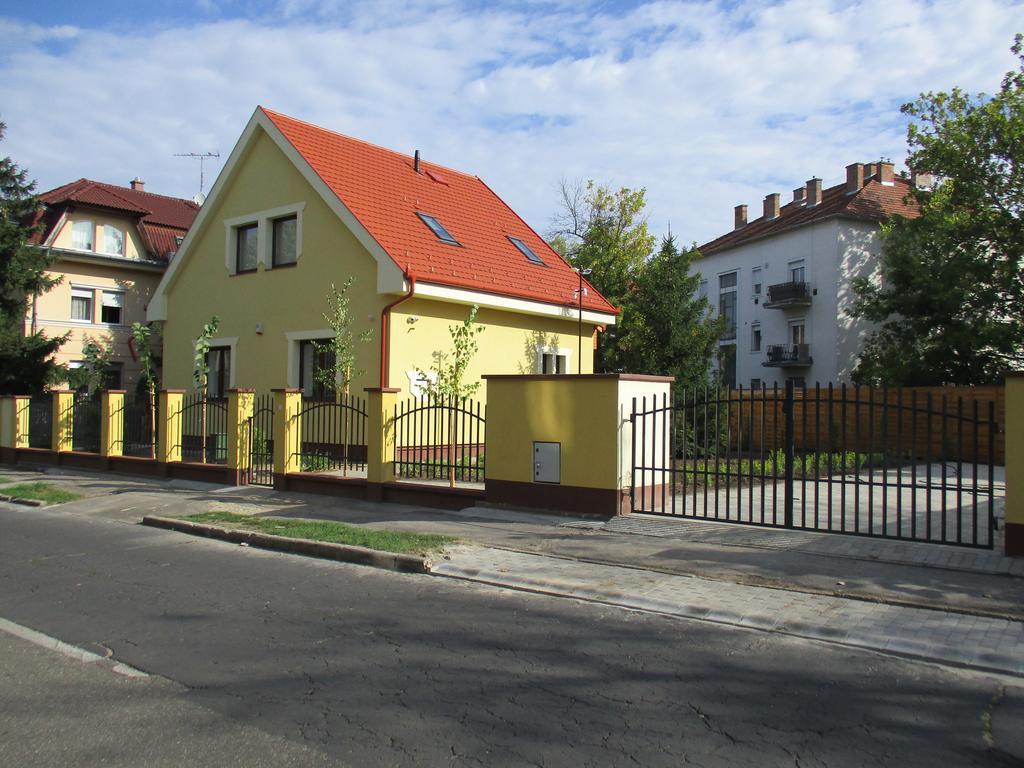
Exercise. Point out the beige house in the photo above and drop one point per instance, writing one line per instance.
(112, 245)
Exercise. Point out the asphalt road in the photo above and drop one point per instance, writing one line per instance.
(371, 668)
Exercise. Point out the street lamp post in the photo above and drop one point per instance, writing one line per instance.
(579, 299)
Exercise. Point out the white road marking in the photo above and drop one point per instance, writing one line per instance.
(71, 651)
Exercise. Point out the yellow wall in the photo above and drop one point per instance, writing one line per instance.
(508, 344)
(132, 244)
(293, 299)
(53, 310)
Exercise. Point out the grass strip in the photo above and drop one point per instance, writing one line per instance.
(40, 492)
(329, 531)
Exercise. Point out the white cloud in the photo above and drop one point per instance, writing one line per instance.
(705, 104)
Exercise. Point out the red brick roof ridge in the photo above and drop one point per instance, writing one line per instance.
(423, 163)
(834, 202)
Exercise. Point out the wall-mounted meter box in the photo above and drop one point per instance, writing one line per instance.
(547, 462)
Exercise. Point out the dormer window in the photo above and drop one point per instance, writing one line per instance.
(525, 250)
(435, 226)
(113, 240)
(81, 235)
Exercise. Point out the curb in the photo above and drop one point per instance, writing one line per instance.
(25, 502)
(346, 553)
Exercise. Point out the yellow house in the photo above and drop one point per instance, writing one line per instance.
(298, 208)
(112, 246)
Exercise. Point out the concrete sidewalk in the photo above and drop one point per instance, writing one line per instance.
(950, 604)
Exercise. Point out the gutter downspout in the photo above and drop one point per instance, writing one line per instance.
(385, 331)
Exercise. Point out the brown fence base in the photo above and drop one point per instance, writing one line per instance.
(564, 499)
(1014, 539)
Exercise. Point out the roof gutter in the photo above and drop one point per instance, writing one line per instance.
(385, 331)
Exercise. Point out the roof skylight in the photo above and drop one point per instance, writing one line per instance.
(525, 250)
(436, 227)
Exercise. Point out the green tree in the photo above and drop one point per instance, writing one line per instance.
(26, 359)
(605, 231)
(668, 328)
(341, 351)
(143, 336)
(950, 306)
(91, 375)
(201, 371)
(446, 379)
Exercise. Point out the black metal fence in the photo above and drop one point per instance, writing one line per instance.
(261, 441)
(204, 429)
(439, 439)
(141, 430)
(40, 421)
(862, 461)
(85, 422)
(333, 435)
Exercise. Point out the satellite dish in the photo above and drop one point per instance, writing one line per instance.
(199, 198)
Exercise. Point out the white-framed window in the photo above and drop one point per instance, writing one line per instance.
(285, 241)
(81, 304)
(554, 360)
(246, 248)
(113, 240)
(727, 303)
(796, 271)
(755, 337)
(798, 332)
(218, 363)
(82, 233)
(313, 362)
(112, 310)
(755, 278)
(272, 238)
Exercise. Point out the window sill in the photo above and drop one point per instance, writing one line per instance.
(284, 266)
(245, 272)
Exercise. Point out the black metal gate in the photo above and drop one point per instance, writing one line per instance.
(261, 441)
(883, 462)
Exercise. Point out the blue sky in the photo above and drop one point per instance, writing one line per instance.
(706, 104)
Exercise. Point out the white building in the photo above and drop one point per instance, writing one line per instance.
(784, 280)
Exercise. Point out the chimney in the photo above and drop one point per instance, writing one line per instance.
(921, 180)
(813, 191)
(885, 174)
(869, 171)
(416, 161)
(854, 178)
(138, 185)
(798, 194)
(771, 206)
(739, 217)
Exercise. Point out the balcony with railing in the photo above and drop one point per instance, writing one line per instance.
(791, 294)
(788, 356)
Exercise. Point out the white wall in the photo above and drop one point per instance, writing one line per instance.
(829, 248)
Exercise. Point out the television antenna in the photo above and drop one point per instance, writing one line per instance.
(202, 157)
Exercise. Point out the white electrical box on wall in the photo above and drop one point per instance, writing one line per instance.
(547, 462)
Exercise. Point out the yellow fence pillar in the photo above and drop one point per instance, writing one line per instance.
(380, 438)
(1014, 534)
(21, 406)
(168, 446)
(63, 402)
(112, 422)
(240, 408)
(287, 434)
(7, 423)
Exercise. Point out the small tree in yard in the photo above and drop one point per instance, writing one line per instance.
(92, 374)
(142, 334)
(201, 371)
(341, 351)
(449, 369)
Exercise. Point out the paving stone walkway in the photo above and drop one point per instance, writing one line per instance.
(954, 638)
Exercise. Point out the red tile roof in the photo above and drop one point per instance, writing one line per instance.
(873, 202)
(161, 219)
(384, 192)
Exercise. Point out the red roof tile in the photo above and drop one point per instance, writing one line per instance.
(384, 192)
(874, 202)
(161, 218)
